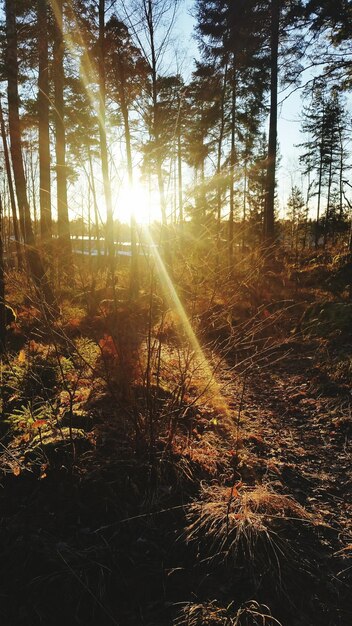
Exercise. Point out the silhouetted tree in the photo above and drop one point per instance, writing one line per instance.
(126, 74)
(324, 153)
(101, 59)
(65, 249)
(35, 264)
(43, 122)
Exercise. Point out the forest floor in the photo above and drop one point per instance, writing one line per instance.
(300, 438)
(226, 507)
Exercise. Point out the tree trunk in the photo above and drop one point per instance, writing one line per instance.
(103, 139)
(2, 287)
(232, 164)
(16, 229)
(269, 220)
(342, 167)
(327, 213)
(89, 231)
(220, 141)
(64, 240)
(203, 193)
(304, 242)
(320, 184)
(43, 118)
(96, 211)
(134, 277)
(35, 264)
(33, 185)
(179, 167)
(155, 131)
(244, 211)
(156, 134)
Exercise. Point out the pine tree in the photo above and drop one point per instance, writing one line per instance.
(296, 214)
(203, 108)
(256, 185)
(232, 33)
(16, 228)
(101, 59)
(64, 239)
(324, 153)
(43, 122)
(283, 16)
(126, 76)
(34, 262)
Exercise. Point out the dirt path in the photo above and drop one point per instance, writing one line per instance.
(304, 437)
(300, 442)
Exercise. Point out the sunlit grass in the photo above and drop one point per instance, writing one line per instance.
(210, 389)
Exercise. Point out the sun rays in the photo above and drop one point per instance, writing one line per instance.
(137, 201)
(205, 368)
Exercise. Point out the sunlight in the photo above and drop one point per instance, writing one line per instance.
(175, 312)
(138, 202)
(211, 385)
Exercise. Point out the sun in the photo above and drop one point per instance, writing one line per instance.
(137, 201)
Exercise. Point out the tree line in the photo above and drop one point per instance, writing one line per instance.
(86, 78)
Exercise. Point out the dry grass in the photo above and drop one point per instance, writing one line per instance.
(253, 527)
(225, 511)
(211, 614)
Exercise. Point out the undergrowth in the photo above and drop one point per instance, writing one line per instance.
(125, 466)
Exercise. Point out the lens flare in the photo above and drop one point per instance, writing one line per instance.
(208, 373)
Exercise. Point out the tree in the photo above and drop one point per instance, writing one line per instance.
(82, 135)
(296, 214)
(43, 119)
(152, 14)
(35, 264)
(232, 32)
(149, 30)
(16, 228)
(64, 239)
(126, 74)
(324, 123)
(275, 9)
(2, 287)
(101, 57)
(203, 98)
(333, 16)
(256, 185)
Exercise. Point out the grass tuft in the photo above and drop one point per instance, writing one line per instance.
(253, 528)
(211, 614)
